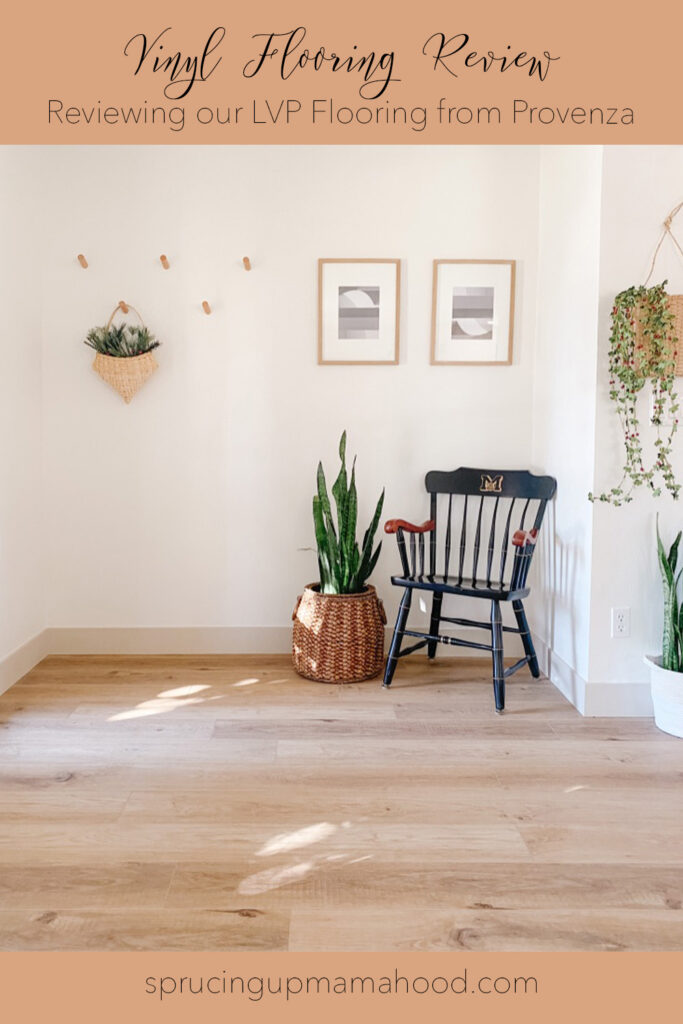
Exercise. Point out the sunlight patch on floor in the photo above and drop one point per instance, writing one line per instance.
(287, 841)
(184, 691)
(158, 706)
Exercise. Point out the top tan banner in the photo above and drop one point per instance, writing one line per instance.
(361, 71)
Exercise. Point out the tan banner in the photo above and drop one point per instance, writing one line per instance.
(530, 988)
(357, 72)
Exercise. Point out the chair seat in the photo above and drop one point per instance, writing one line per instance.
(465, 587)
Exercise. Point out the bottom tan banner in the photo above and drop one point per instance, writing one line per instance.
(170, 987)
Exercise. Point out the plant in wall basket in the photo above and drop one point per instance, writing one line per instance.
(123, 353)
(338, 634)
(644, 348)
(666, 671)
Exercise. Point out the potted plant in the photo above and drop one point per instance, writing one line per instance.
(124, 353)
(644, 341)
(666, 671)
(338, 634)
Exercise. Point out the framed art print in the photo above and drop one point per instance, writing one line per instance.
(358, 311)
(473, 307)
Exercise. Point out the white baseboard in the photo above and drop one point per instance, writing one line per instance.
(170, 640)
(618, 700)
(212, 640)
(567, 680)
(22, 660)
(594, 700)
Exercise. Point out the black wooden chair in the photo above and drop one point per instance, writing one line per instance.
(495, 517)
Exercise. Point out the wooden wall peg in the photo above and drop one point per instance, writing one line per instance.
(82, 260)
(164, 262)
(206, 307)
(247, 262)
(123, 306)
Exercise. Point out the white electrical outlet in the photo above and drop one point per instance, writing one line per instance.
(621, 622)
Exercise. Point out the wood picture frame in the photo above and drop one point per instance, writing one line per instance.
(473, 340)
(359, 304)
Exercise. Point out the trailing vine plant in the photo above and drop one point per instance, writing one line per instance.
(643, 348)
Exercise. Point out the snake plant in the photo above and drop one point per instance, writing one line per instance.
(344, 567)
(672, 634)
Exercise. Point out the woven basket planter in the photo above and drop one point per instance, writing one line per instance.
(338, 638)
(676, 308)
(125, 374)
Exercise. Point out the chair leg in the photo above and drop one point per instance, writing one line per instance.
(397, 638)
(434, 623)
(497, 645)
(525, 634)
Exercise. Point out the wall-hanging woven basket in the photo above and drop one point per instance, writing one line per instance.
(676, 309)
(338, 638)
(675, 301)
(125, 374)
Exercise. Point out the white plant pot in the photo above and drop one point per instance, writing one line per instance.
(667, 697)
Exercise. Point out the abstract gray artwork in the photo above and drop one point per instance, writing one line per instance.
(358, 312)
(472, 313)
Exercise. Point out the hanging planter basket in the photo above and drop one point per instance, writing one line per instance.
(675, 307)
(127, 370)
(646, 347)
(674, 342)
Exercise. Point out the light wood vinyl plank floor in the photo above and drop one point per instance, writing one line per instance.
(225, 803)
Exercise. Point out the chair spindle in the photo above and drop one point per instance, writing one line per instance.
(524, 512)
(463, 540)
(492, 542)
(448, 538)
(477, 540)
(504, 548)
(432, 535)
(402, 552)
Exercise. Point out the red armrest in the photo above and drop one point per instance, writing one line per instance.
(393, 525)
(522, 537)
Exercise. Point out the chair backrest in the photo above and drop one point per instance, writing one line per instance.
(480, 514)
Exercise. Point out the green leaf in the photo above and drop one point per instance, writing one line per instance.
(327, 515)
(667, 574)
(339, 487)
(324, 561)
(351, 517)
(373, 560)
(367, 565)
(673, 553)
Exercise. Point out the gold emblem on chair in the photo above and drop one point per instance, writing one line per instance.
(491, 484)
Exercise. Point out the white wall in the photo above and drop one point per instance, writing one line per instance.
(21, 503)
(564, 403)
(640, 186)
(190, 507)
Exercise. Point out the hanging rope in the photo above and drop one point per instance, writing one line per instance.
(665, 231)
